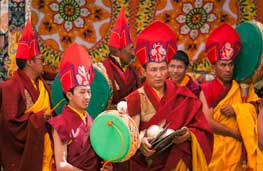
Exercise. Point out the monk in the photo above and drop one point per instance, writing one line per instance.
(177, 69)
(25, 105)
(231, 115)
(120, 72)
(70, 130)
(160, 102)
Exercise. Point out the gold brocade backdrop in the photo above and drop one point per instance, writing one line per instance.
(89, 22)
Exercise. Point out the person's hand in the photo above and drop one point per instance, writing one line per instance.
(178, 139)
(227, 110)
(122, 107)
(145, 147)
(237, 135)
(107, 167)
(210, 112)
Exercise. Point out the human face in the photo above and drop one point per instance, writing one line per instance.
(126, 54)
(177, 70)
(37, 64)
(224, 70)
(156, 74)
(80, 97)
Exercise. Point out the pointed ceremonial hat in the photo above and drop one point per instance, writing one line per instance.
(27, 45)
(120, 34)
(75, 68)
(223, 43)
(156, 43)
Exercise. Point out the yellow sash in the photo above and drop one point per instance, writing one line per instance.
(185, 80)
(198, 158)
(43, 103)
(82, 115)
(227, 151)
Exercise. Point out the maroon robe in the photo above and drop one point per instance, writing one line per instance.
(74, 132)
(21, 134)
(214, 91)
(127, 80)
(179, 107)
(193, 86)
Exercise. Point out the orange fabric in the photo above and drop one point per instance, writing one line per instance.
(227, 150)
(185, 80)
(198, 158)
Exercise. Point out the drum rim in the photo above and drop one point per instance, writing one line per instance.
(250, 72)
(94, 138)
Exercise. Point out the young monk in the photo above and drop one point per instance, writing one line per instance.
(71, 128)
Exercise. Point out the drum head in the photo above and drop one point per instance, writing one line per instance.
(100, 94)
(249, 57)
(110, 142)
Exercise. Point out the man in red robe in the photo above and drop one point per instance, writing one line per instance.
(71, 129)
(25, 103)
(120, 72)
(161, 103)
(177, 69)
(232, 116)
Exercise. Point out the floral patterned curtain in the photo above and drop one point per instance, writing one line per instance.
(89, 22)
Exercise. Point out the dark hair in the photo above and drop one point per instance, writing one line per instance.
(71, 90)
(21, 63)
(182, 56)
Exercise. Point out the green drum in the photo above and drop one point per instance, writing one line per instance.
(100, 94)
(114, 136)
(249, 58)
(258, 74)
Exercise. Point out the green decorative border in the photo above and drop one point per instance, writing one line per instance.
(145, 14)
(247, 10)
(51, 56)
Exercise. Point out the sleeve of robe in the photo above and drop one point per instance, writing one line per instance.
(23, 132)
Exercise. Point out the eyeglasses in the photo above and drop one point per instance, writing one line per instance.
(41, 59)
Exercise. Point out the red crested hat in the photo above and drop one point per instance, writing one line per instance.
(75, 68)
(156, 43)
(223, 44)
(27, 45)
(120, 35)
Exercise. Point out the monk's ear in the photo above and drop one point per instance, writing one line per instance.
(143, 71)
(69, 95)
(29, 62)
(213, 66)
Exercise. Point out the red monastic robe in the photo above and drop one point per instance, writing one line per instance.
(74, 132)
(193, 86)
(179, 107)
(123, 82)
(21, 134)
(244, 121)
(214, 91)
